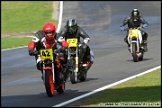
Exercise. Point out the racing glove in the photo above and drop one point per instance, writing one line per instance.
(86, 40)
(31, 52)
(122, 28)
(64, 43)
(60, 39)
(144, 25)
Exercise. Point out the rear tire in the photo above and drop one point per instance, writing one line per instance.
(61, 89)
(141, 57)
(83, 76)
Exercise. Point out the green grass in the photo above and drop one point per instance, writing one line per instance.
(25, 16)
(145, 90)
(14, 42)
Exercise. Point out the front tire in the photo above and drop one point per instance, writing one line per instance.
(49, 85)
(73, 74)
(134, 52)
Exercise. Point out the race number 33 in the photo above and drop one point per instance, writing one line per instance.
(72, 42)
(46, 54)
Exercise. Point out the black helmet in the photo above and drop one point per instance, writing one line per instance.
(72, 25)
(135, 14)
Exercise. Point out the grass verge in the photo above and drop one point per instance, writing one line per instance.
(143, 91)
(25, 16)
(14, 42)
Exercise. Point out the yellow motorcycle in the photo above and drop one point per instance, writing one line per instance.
(135, 41)
(75, 55)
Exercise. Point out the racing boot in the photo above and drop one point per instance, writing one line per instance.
(42, 74)
(91, 57)
(87, 59)
(145, 46)
(145, 42)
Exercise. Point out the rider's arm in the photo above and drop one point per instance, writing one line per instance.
(35, 40)
(31, 46)
(143, 21)
(125, 21)
(61, 36)
(82, 33)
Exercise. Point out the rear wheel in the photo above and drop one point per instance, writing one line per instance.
(61, 89)
(83, 76)
(49, 85)
(141, 56)
(134, 52)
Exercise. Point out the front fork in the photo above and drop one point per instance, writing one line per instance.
(48, 68)
(137, 43)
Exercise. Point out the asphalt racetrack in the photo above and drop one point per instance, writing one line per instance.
(21, 84)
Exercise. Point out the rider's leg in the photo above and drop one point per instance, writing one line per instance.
(126, 40)
(87, 54)
(144, 37)
(39, 64)
(68, 66)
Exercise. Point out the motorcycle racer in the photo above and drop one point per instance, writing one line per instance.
(71, 30)
(46, 35)
(135, 20)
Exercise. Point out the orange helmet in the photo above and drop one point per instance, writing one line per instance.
(50, 31)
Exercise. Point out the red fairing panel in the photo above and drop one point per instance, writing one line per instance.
(31, 45)
(64, 44)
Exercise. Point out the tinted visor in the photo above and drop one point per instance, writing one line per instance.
(135, 16)
(50, 33)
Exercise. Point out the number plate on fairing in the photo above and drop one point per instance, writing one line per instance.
(72, 42)
(133, 33)
(46, 54)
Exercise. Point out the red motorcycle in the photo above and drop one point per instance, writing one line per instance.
(53, 70)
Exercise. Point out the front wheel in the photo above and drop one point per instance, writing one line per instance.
(134, 52)
(73, 77)
(49, 85)
(73, 74)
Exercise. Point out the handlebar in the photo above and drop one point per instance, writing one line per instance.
(133, 28)
(36, 53)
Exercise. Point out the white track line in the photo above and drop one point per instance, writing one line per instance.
(105, 87)
(12, 48)
(60, 16)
